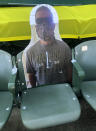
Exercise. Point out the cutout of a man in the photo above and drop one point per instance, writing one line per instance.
(49, 60)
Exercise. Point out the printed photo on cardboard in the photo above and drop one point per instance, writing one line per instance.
(47, 58)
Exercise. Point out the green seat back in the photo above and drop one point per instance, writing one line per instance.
(85, 54)
(5, 70)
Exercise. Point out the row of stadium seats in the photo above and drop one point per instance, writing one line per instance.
(48, 105)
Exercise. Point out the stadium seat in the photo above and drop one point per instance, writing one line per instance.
(48, 105)
(7, 78)
(84, 70)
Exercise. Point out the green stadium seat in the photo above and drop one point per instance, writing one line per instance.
(84, 71)
(7, 75)
(48, 105)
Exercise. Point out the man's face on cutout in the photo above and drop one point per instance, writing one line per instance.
(44, 25)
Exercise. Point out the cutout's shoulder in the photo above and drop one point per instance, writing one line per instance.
(33, 48)
(62, 43)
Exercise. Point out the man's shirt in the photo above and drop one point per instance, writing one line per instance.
(49, 62)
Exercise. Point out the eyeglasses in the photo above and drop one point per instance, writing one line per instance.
(45, 20)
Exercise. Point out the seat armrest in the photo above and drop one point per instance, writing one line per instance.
(12, 81)
(78, 76)
(78, 69)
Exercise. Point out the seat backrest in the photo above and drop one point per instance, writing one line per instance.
(5, 69)
(85, 54)
(21, 71)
